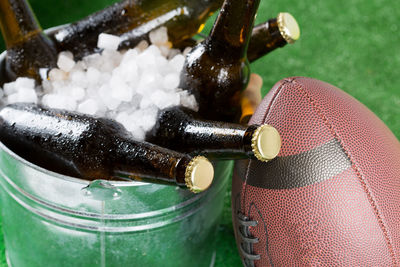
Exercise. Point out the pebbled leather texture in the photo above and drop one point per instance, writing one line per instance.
(332, 198)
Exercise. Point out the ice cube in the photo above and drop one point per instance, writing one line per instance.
(80, 65)
(70, 103)
(147, 59)
(188, 100)
(154, 50)
(177, 63)
(111, 56)
(142, 45)
(129, 57)
(173, 53)
(147, 83)
(159, 36)
(9, 88)
(145, 102)
(122, 117)
(59, 101)
(93, 75)
(25, 82)
(108, 41)
(57, 75)
(43, 73)
(171, 81)
(119, 89)
(65, 61)
(67, 54)
(88, 106)
(27, 95)
(12, 98)
(128, 71)
(148, 120)
(162, 99)
(110, 102)
(94, 60)
(164, 49)
(78, 78)
(137, 133)
(77, 93)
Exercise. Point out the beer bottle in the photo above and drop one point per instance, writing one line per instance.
(266, 37)
(28, 49)
(180, 129)
(133, 21)
(274, 33)
(217, 69)
(90, 148)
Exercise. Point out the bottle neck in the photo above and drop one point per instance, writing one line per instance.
(180, 129)
(265, 38)
(17, 21)
(145, 161)
(218, 139)
(232, 30)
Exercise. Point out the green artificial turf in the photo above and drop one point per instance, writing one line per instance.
(353, 44)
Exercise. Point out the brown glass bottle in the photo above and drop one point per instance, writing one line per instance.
(181, 129)
(266, 37)
(28, 49)
(276, 32)
(90, 148)
(217, 69)
(133, 21)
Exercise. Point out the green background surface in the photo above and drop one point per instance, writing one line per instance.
(353, 44)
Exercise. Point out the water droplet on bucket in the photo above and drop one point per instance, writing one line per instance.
(101, 190)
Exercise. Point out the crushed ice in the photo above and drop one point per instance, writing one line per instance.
(129, 86)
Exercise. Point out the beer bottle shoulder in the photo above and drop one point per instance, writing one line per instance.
(217, 70)
(215, 81)
(202, 64)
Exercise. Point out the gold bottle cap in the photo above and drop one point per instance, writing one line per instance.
(266, 143)
(288, 27)
(199, 174)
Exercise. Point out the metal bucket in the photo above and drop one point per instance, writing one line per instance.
(54, 220)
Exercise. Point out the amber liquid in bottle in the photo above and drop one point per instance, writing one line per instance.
(28, 49)
(133, 20)
(217, 69)
(89, 148)
(276, 32)
(180, 129)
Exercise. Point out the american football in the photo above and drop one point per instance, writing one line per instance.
(330, 198)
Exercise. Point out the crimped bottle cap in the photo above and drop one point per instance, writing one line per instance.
(266, 143)
(288, 27)
(199, 174)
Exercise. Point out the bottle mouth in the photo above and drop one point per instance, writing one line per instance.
(266, 143)
(199, 174)
(288, 27)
